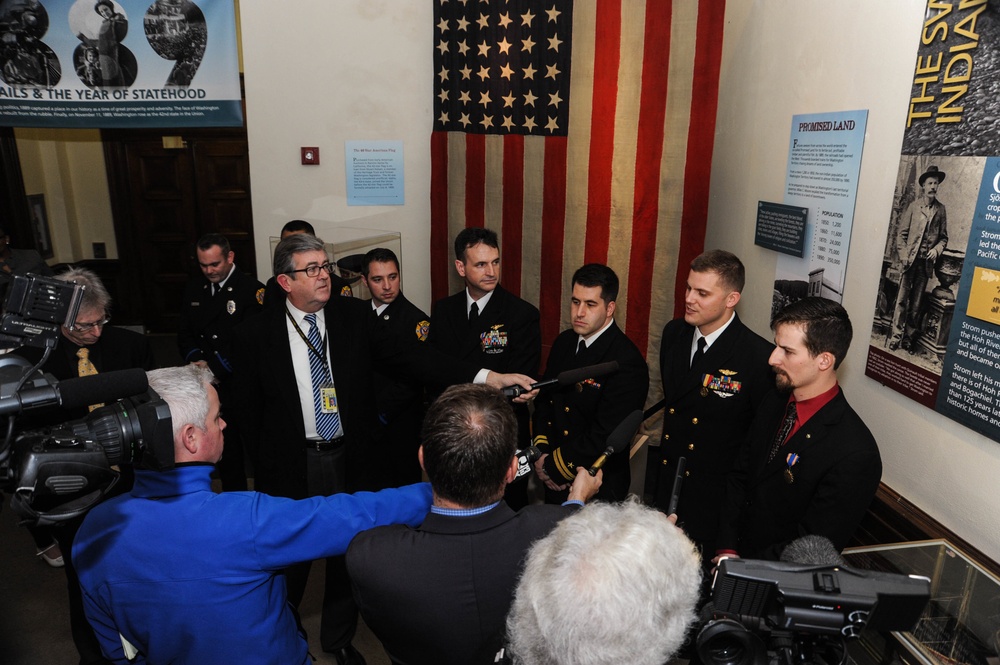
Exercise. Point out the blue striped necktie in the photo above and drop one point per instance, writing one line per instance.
(327, 424)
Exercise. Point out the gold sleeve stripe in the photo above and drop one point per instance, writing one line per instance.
(561, 466)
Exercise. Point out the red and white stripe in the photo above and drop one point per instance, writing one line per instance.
(627, 187)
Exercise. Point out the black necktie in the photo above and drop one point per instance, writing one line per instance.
(786, 427)
(581, 347)
(473, 314)
(699, 353)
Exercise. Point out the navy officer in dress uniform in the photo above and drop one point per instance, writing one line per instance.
(572, 424)
(715, 374)
(400, 400)
(487, 326)
(214, 304)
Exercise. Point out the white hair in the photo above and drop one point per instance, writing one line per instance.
(611, 584)
(185, 390)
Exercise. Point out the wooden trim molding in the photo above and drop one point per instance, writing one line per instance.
(894, 519)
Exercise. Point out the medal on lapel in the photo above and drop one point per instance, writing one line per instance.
(790, 462)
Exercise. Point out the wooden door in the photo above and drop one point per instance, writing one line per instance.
(166, 193)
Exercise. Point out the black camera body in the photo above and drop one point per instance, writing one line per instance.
(776, 612)
(59, 471)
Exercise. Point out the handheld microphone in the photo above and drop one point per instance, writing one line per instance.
(618, 439)
(566, 378)
(675, 494)
(74, 393)
(525, 459)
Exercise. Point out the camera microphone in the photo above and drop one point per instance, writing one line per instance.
(619, 439)
(566, 378)
(74, 393)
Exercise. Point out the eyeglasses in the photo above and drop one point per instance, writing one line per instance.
(313, 270)
(87, 327)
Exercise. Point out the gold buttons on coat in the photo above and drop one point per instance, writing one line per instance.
(694, 421)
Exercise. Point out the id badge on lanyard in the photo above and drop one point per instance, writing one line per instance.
(329, 395)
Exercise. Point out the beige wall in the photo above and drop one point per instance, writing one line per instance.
(785, 57)
(347, 70)
(67, 166)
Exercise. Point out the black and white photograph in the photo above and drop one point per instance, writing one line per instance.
(103, 26)
(932, 213)
(177, 31)
(25, 59)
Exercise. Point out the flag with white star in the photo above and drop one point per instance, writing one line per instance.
(580, 132)
(501, 68)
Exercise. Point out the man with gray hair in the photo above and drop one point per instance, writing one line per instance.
(156, 589)
(304, 374)
(614, 583)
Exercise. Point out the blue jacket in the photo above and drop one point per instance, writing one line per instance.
(190, 576)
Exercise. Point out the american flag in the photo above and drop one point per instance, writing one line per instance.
(580, 132)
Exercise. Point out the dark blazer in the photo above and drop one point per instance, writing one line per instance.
(576, 420)
(400, 400)
(516, 347)
(440, 593)
(835, 479)
(268, 399)
(708, 411)
(207, 322)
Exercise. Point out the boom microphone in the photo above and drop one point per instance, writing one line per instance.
(812, 550)
(619, 439)
(74, 393)
(566, 378)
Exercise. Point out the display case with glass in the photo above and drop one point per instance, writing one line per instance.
(961, 623)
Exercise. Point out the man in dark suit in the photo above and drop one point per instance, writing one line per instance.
(710, 396)
(213, 305)
(572, 423)
(304, 378)
(86, 348)
(399, 400)
(488, 326)
(439, 593)
(811, 466)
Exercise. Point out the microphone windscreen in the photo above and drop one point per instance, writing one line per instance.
(812, 550)
(622, 435)
(571, 376)
(103, 387)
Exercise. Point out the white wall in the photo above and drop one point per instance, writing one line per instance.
(325, 72)
(785, 57)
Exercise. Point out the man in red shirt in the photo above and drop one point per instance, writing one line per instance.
(811, 465)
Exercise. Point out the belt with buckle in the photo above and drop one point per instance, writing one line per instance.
(320, 446)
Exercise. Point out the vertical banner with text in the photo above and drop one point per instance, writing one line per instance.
(936, 329)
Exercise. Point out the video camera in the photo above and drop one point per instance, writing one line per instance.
(771, 612)
(60, 471)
